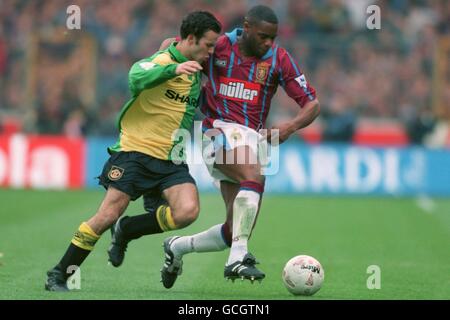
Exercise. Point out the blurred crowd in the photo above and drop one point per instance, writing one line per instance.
(51, 82)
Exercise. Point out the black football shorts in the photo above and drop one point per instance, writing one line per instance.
(137, 174)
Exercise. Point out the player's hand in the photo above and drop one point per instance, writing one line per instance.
(189, 67)
(282, 131)
(166, 43)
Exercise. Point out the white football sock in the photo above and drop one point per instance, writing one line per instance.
(207, 241)
(245, 208)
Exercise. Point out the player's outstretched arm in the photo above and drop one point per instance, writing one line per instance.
(146, 74)
(304, 118)
(295, 85)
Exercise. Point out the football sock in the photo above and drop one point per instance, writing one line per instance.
(137, 226)
(82, 244)
(207, 241)
(226, 234)
(165, 218)
(245, 208)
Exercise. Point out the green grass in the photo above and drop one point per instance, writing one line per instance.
(411, 246)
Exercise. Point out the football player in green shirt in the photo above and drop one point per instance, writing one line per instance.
(165, 92)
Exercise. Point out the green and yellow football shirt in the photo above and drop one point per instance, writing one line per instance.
(161, 103)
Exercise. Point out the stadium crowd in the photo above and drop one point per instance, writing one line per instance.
(358, 73)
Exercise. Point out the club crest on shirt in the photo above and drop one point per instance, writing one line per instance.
(236, 135)
(262, 70)
(220, 63)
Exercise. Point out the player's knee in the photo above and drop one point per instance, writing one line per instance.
(252, 174)
(258, 177)
(263, 180)
(191, 211)
(186, 213)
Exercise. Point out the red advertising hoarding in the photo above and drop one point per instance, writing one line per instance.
(28, 161)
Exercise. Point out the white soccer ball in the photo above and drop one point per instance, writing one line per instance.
(303, 275)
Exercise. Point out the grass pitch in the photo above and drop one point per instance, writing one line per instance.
(347, 235)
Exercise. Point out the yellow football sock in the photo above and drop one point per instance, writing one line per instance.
(85, 237)
(165, 219)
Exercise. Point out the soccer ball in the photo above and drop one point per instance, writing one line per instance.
(303, 275)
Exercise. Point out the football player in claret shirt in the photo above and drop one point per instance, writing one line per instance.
(244, 72)
(165, 92)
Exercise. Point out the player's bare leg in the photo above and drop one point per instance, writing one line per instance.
(112, 207)
(184, 204)
(176, 208)
(83, 242)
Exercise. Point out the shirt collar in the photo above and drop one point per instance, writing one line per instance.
(233, 36)
(177, 54)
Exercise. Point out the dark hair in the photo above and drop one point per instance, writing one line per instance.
(197, 23)
(261, 13)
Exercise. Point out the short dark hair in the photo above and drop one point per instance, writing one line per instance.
(199, 22)
(261, 13)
